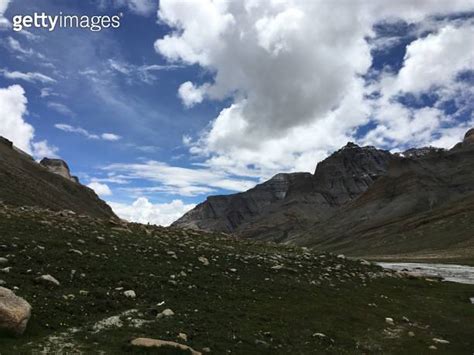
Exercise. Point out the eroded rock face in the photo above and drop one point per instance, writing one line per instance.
(59, 167)
(14, 312)
(469, 137)
(340, 178)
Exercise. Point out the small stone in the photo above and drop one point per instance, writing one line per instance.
(262, 343)
(440, 341)
(411, 334)
(233, 270)
(166, 313)
(319, 335)
(341, 256)
(75, 251)
(183, 336)
(389, 320)
(277, 267)
(6, 270)
(3, 261)
(405, 319)
(432, 347)
(48, 279)
(204, 260)
(14, 312)
(206, 350)
(472, 300)
(130, 294)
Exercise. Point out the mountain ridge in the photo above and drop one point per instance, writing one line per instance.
(49, 184)
(354, 188)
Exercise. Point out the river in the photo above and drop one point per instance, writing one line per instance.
(448, 272)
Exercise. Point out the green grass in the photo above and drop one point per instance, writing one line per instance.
(255, 310)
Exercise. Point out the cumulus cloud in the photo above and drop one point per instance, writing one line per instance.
(100, 189)
(43, 149)
(293, 72)
(143, 211)
(13, 108)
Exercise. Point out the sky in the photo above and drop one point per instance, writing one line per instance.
(191, 98)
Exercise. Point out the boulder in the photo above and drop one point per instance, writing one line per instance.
(59, 167)
(14, 312)
(163, 344)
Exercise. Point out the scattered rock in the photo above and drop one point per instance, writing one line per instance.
(130, 294)
(75, 251)
(156, 343)
(6, 270)
(48, 279)
(319, 335)
(472, 300)
(14, 312)
(440, 341)
(206, 350)
(411, 334)
(432, 347)
(183, 336)
(389, 320)
(3, 261)
(262, 344)
(341, 256)
(204, 260)
(166, 313)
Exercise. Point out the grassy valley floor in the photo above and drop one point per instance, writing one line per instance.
(227, 295)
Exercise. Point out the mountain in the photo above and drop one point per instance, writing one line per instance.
(361, 201)
(49, 184)
(295, 197)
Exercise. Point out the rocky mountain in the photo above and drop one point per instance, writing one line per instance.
(59, 167)
(49, 184)
(297, 196)
(361, 201)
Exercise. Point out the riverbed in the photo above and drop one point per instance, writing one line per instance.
(448, 272)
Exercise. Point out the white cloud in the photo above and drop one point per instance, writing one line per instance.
(143, 73)
(42, 149)
(79, 130)
(4, 22)
(178, 180)
(59, 107)
(14, 127)
(143, 211)
(100, 189)
(292, 69)
(71, 129)
(110, 137)
(190, 94)
(139, 7)
(12, 109)
(29, 76)
(15, 46)
(436, 59)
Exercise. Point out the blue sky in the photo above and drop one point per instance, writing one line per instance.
(210, 97)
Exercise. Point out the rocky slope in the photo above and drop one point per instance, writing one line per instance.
(23, 182)
(97, 286)
(353, 199)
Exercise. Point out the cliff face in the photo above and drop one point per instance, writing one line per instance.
(60, 167)
(338, 179)
(23, 182)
